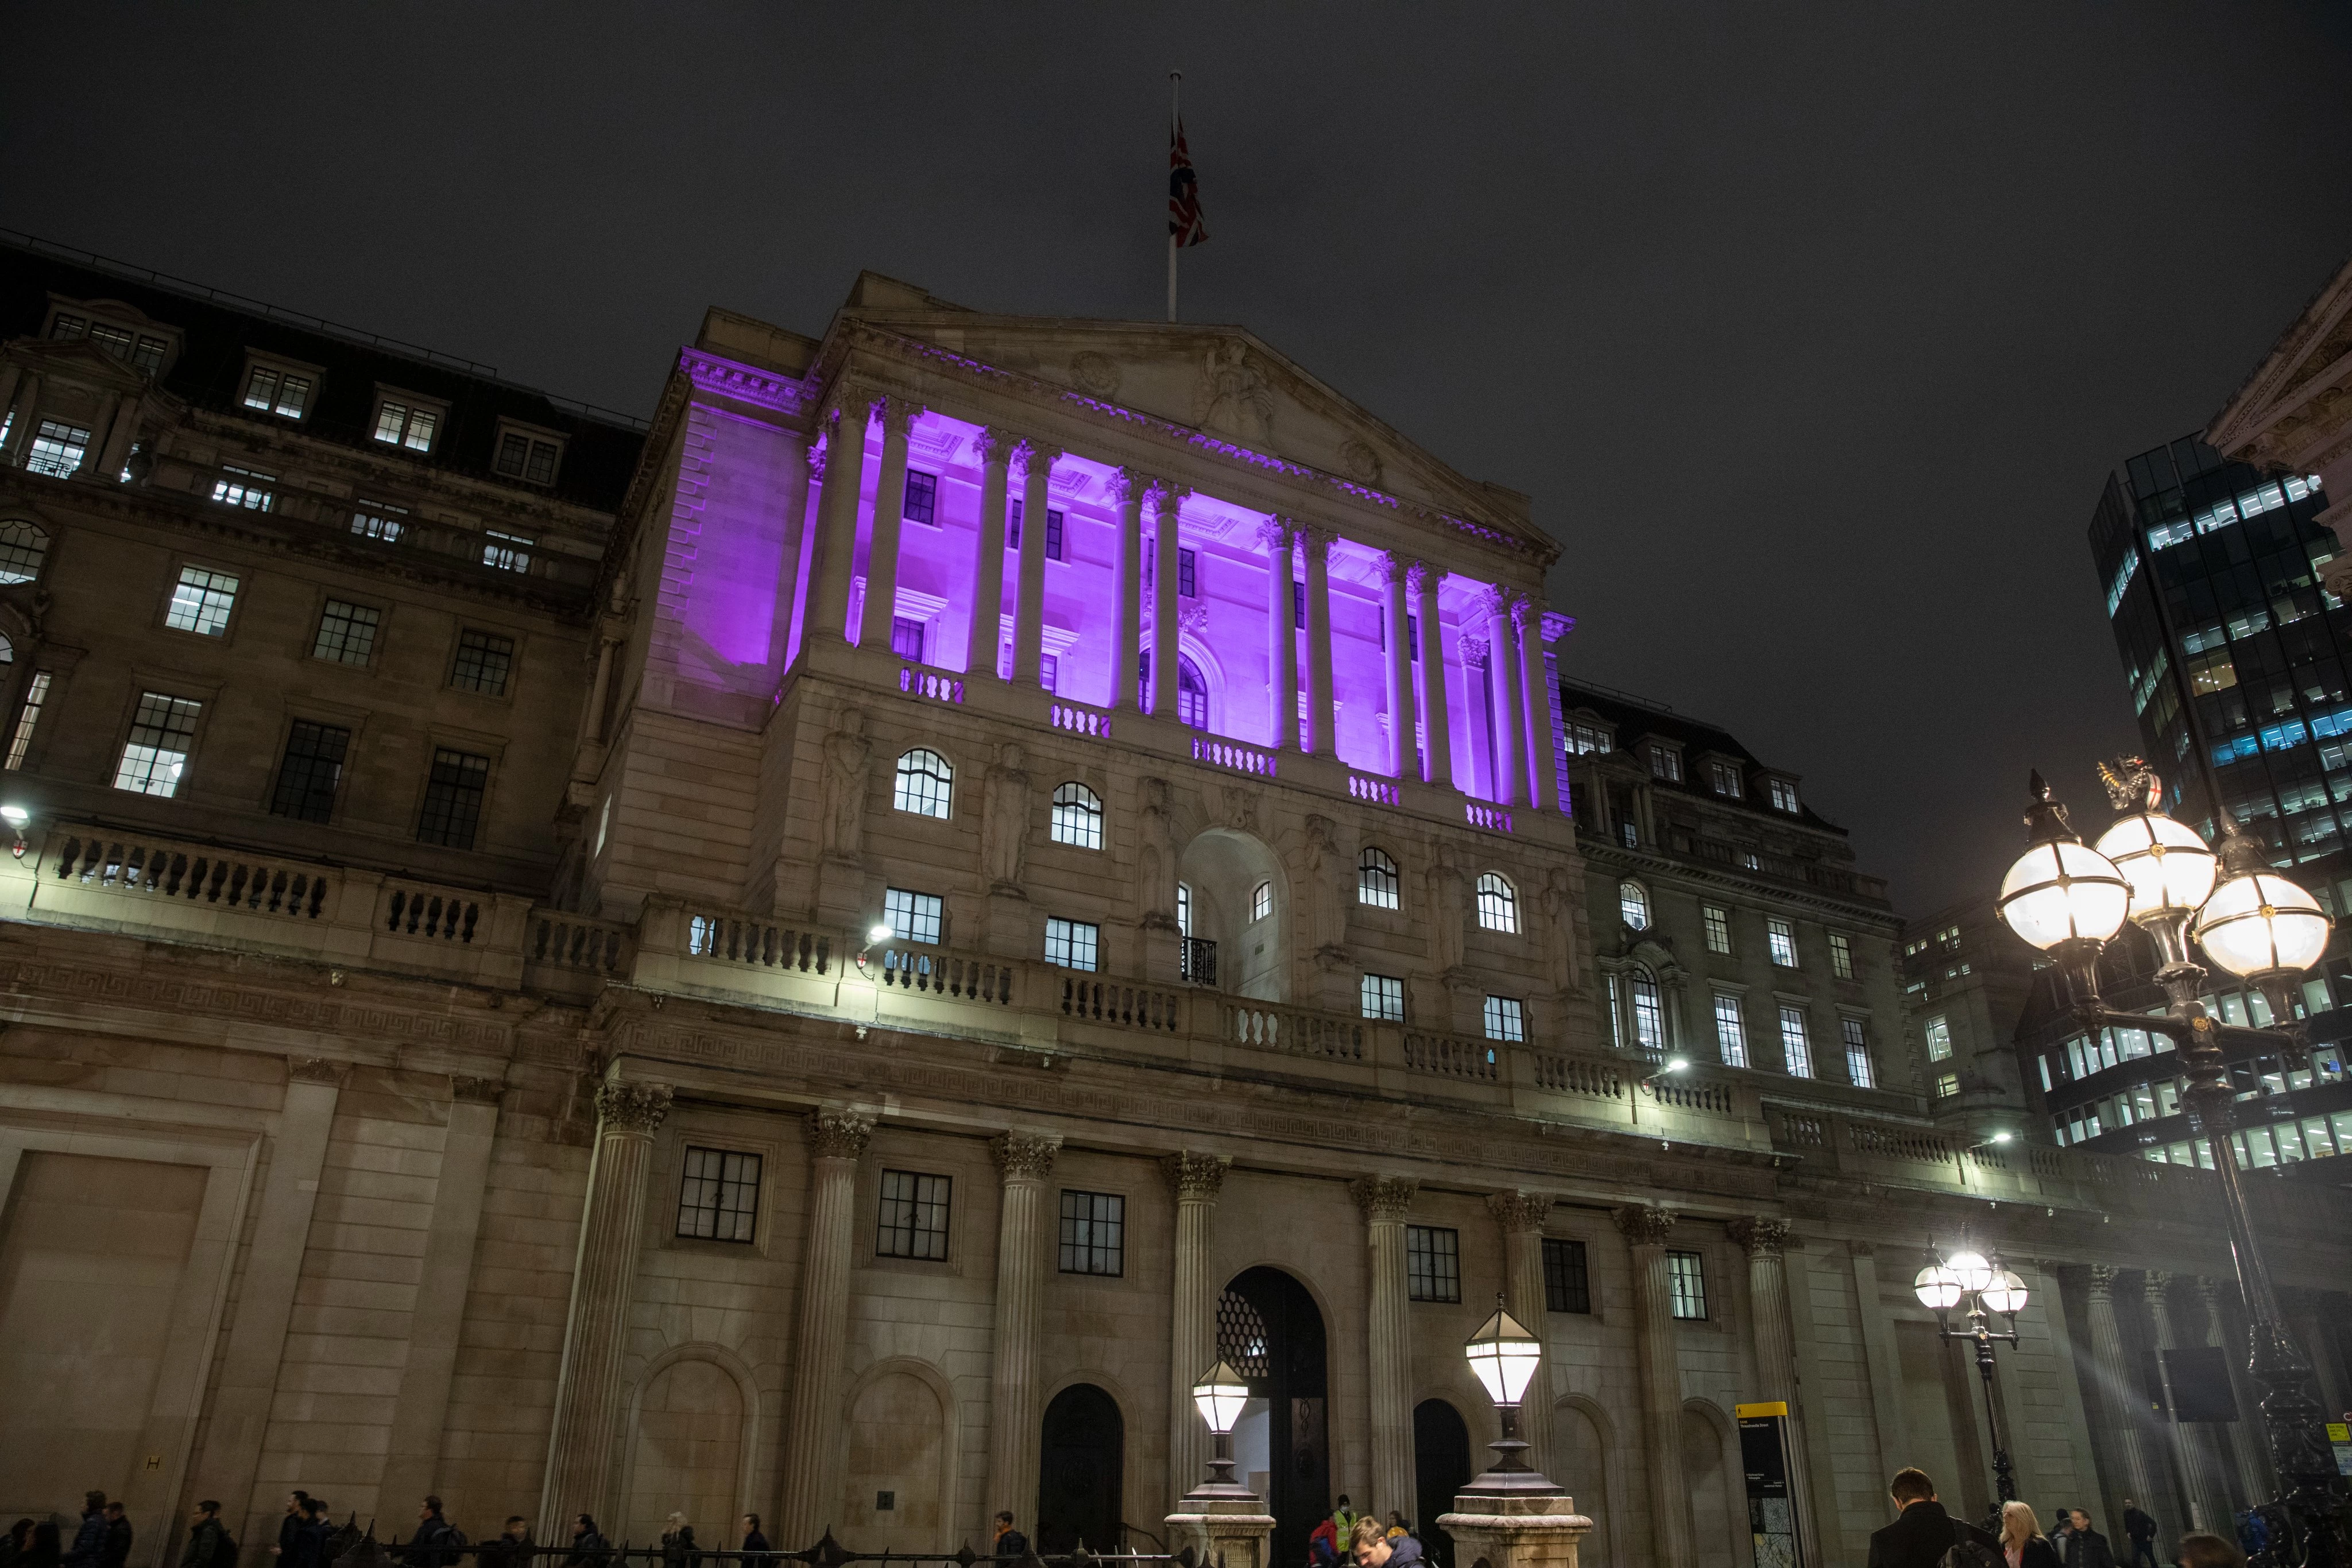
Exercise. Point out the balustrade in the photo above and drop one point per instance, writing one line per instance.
(1293, 1031)
(209, 877)
(757, 943)
(578, 944)
(1451, 1056)
(435, 915)
(933, 973)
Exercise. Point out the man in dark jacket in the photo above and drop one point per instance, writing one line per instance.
(206, 1537)
(288, 1550)
(512, 1549)
(428, 1548)
(2141, 1530)
(2085, 1547)
(754, 1539)
(90, 1539)
(116, 1550)
(1922, 1531)
(1010, 1542)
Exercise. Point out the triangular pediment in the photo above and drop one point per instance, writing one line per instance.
(2301, 391)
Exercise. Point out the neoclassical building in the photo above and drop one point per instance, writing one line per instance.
(827, 955)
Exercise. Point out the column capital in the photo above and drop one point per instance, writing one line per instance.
(478, 1090)
(1519, 1212)
(898, 414)
(315, 1070)
(1494, 599)
(2210, 1288)
(627, 1107)
(849, 395)
(1644, 1224)
(1037, 458)
(1383, 1197)
(1474, 648)
(2102, 1278)
(838, 1135)
(1425, 578)
(1317, 540)
(1762, 1235)
(2155, 1282)
(817, 455)
(996, 444)
(1167, 496)
(1394, 568)
(1195, 1175)
(1556, 626)
(1525, 613)
(1274, 533)
(1128, 485)
(1025, 1156)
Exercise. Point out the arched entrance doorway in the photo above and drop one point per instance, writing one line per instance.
(1232, 901)
(1270, 1330)
(1441, 1466)
(1081, 1460)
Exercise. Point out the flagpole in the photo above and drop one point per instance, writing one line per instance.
(1175, 81)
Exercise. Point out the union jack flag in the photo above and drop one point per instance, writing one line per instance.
(1184, 221)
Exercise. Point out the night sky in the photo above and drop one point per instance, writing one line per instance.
(1813, 329)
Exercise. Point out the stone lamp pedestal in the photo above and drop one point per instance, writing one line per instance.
(1523, 1530)
(1235, 1530)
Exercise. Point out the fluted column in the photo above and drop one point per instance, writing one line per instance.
(1322, 722)
(1129, 486)
(1024, 1161)
(1389, 1336)
(1167, 501)
(1503, 671)
(1437, 745)
(845, 476)
(93, 456)
(984, 639)
(1521, 1216)
(2197, 1476)
(1767, 1242)
(588, 1388)
(1527, 623)
(1192, 1311)
(2243, 1436)
(1645, 1229)
(1282, 638)
(836, 1141)
(2118, 1400)
(1401, 719)
(1029, 599)
(898, 417)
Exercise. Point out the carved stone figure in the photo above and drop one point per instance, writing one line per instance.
(1097, 373)
(1005, 822)
(1240, 810)
(1358, 461)
(848, 755)
(1449, 899)
(1320, 862)
(1559, 929)
(1155, 870)
(1232, 395)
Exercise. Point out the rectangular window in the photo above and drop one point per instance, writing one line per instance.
(57, 449)
(1858, 1054)
(1796, 1049)
(1298, 604)
(1568, 1287)
(912, 916)
(36, 693)
(720, 1195)
(484, 660)
(506, 552)
(912, 1219)
(1939, 1038)
(148, 355)
(1687, 1285)
(1781, 938)
(163, 732)
(376, 520)
(1188, 572)
(201, 602)
(311, 768)
(1718, 920)
(114, 340)
(1505, 1019)
(1384, 998)
(453, 791)
(1413, 636)
(1784, 794)
(524, 457)
(1433, 1263)
(66, 326)
(1054, 522)
(1666, 763)
(272, 390)
(1725, 776)
(1072, 944)
(1841, 955)
(1730, 1031)
(1947, 1085)
(906, 638)
(1585, 739)
(1094, 1233)
(346, 633)
(922, 503)
(256, 492)
(405, 424)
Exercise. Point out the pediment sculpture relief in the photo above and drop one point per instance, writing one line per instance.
(1232, 396)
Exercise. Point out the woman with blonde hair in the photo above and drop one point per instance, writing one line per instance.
(678, 1542)
(2022, 1540)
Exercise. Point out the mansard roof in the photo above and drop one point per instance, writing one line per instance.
(1634, 720)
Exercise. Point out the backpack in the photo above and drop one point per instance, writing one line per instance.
(1967, 1551)
(225, 1555)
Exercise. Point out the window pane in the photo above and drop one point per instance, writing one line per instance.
(1073, 944)
(390, 421)
(922, 498)
(1718, 928)
(1782, 940)
(906, 638)
(1730, 1031)
(1094, 1230)
(514, 451)
(924, 784)
(1498, 903)
(484, 660)
(911, 1221)
(1377, 883)
(1433, 1263)
(422, 422)
(720, 1197)
(312, 766)
(376, 520)
(244, 487)
(1633, 905)
(1383, 998)
(346, 633)
(163, 732)
(1796, 1049)
(1506, 1020)
(1858, 1054)
(57, 449)
(1077, 817)
(1687, 1281)
(452, 799)
(28, 716)
(1567, 1286)
(1841, 955)
(912, 916)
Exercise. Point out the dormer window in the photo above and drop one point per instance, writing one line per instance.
(411, 423)
(1782, 793)
(280, 389)
(1725, 777)
(1666, 762)
(526, 453)
(128, 337)
(1584, 738)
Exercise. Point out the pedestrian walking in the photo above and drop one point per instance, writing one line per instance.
(2022, 1540)
(2203, 1549)
(316, 1540)
(588, 1546)
(90, 1535)
(2140, 1531)
(1922, 1531)
(1374, 1547)
(678, 1542)
(435, 1542)
(2085, 1547)
(288, 1550)
(116, 1553)
(1010, 1542)
(753, 1541)
(209, 1546)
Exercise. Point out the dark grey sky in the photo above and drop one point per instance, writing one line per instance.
(1812, 329)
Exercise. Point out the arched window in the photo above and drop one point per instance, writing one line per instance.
(1649, 1012)
(1261, 901)
(1376, 879)
(1498, 902)
(1634, 903)
(22, 546)
(1191, 693)
(925, 783)
(1077, 817)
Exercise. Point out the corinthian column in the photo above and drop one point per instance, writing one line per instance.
(1024, 1161)
(837, 515)
(836, 1140)
(1192, 1311)
(1384, 1200)
(1529, 624)
(982, 639)
(2116, 1400)
(1502, 673)
(1281, 638)
(1167, 500)
(1645, 1229)
(588, 1388)
(1128, 636)
(898, 417)
(1767, 1241)
(1320, 739)
(1029, 596)
(1436, 740)
(2197, 1476)
(1400, 670)
(2243, 1434)
(1521, 1216)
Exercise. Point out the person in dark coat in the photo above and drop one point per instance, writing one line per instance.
(753, 1541)
(678, 1542)
(90, 1537)
(316, 1539)
(2085, 1547)
(512, 1549)
(1922, 1531)
(16, 1542)
(429, 1547)
(2140, 1531)
(42, 1552)
(204, 1536)
(116, 1553)
(1010, 1542)
(588, 1547)
(1374, 1547)
(2022, 1544)
(288, 1550)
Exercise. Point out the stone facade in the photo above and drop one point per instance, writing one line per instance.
(614, 1161)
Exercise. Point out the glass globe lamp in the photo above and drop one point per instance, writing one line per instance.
(2005, 1294)
(2171, 868)
(2064, 891)
(1938, 1288)
(1972, 1270)
(2259, 923)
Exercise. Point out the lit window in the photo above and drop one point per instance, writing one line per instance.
(1585, 737)
(1384, 998)
(1725, 776)
(1183, 909)
(346, 633)
(1094, 1233)
(1947, 1085)
(1505, 1019)
(245, 487)
(1072, 945)
(1841, 955)
(911, 1221)
(1687, 1285)
(1857, 1054)
(506, 552)
(272, 390)
(453, 793)
(720, 1197)
(912, 916)
(1049, 672)
(309, 771)
(1796, 1049)
(405, 424)
(1730, 1031)
(529, 458)
(57, 449)
(1433, 1263)
(924, 784)
(22, 547)
(201, 601)
(485, 660)
(1633, 905)
(148, 354)
(1261, 901)
(1783, 794)
(1498, 903)
(1568, 1286)
(1191, 693)
(1077, 817)
(1939, 1038)
(1665, 763)
(1717, 921)
(906, 638)
(922, 501)
(163, 732)
(376, 520)
(1781, 938)
(114, 340)
(1376, 879)
(65, 326)
(36, 693)
(1056, 525)
(1649, 1012)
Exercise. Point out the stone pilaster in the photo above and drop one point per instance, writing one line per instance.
(837, 530)
(1167, 503)
(1196, 1180)
(2117, 1402)
(588, 1388)
(2243, 1437)
(2197, 1478)
(899, 418)
(1529, 624)
(1767, 1241)
(1521, 1217)
(1321, 738)
(813, 1425)
(1423, 579)
(1398, 659)
(982, 644)
(1128, 485)
(1282, 637)
(1384, 1200)
(1024, 1161)
(1645, 1229)
(1029, 596)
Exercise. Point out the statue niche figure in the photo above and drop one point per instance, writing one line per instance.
(1005, 822)
(1449, 910)
(1560, 930)
(1320, 861)
(1155, 870)
(848, 756)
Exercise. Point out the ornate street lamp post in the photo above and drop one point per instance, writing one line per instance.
(2068, 900)
(1504, 1356)
(1986, 1287)
(1219, 1395)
